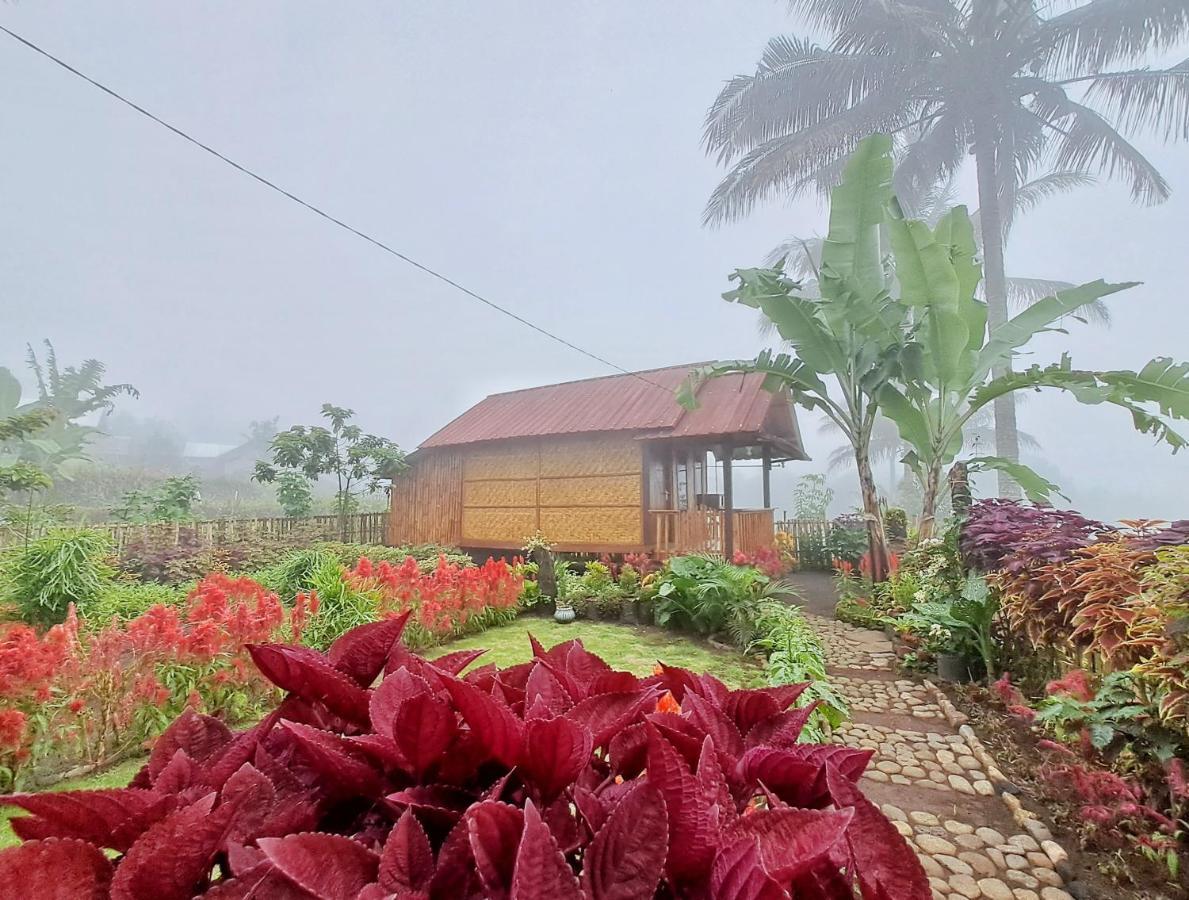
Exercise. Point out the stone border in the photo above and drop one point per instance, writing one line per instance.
(1005, 789)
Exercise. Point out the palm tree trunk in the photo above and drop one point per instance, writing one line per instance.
(1007, 441)
(877, 542)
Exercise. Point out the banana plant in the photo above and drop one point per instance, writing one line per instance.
(947, 363)
(846, 331)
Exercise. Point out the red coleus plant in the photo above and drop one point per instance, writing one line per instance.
(555, 778)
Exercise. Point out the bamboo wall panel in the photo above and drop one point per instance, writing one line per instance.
(427, 501)
(494, 464)
(499, 494)
(497, 526)
(593, 490)
(593, 525)
(562, 457)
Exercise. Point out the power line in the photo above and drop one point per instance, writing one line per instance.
(433, 273)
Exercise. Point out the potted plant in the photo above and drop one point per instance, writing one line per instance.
(563, 611)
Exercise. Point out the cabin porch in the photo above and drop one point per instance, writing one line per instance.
(690, 501)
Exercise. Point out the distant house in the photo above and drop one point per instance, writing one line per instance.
(604, 465)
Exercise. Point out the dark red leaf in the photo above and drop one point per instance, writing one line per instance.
(738, 874)
(791, 841)
(329, 866)
(786, 774)
(781, 730)
(309, 675)
(494, 830)
(693, 830)
(627, 856)
(455, 875)
(423, 729)
(336, 760)
(605, 715)
(362, 652)
(453, 663)
(543, 686)
(628, 750)
(885, 864)
(386, 699)
(55, 869)
(101, 817)
(496, 726)
(407, 861)
(252, 795)
(172, 860)
(749, 707)
(541, 872)
(200, 736)
(555, 751)
(714, 722)
(177, 775)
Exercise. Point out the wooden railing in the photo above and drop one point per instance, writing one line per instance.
(360, 528)
(701, 530)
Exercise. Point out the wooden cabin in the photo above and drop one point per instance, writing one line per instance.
(604, 465)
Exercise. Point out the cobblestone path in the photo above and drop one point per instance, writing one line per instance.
(934, 779)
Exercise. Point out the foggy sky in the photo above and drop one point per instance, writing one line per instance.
(545, 154)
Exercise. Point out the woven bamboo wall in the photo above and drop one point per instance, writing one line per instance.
(426, 502)
(581, 490)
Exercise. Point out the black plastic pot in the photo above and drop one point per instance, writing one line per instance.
(953, 667)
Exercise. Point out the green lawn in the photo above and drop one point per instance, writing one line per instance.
(117, 776)
(635, 650)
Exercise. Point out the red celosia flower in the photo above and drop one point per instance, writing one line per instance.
(1075, 685)
(12, 729)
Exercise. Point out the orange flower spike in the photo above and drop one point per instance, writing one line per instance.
(667, 704)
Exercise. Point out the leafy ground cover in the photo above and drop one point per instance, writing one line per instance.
(634, 650)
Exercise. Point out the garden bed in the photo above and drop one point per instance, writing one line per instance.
(1122, 874)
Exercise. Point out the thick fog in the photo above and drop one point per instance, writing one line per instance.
(544, 154)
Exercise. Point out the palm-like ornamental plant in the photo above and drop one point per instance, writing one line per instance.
(1026, 88)
(926, 357)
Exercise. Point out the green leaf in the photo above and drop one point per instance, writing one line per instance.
(851, 248)
(1036, 487)
(1018, 331)
(1101, 735)
(1161, 381)
(909, 419)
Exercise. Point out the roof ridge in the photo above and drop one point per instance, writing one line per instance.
(539, 387)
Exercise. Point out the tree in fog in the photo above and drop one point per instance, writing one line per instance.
(1028, 89)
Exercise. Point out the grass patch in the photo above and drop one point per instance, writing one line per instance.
(117, 776)
(635, 650)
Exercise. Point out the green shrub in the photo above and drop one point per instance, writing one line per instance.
(340, 607)
(796, 654)
(124, 601)
(708, 595)
(847, 539)
(63, 567)
(629, 579)
(294, 574)
(895, 521)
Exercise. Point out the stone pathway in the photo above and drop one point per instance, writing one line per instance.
(934, 779)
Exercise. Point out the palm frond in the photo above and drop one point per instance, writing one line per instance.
(793, 162)
(1145, 100)
(1101, 33)
(1088, 141)
(797, 85)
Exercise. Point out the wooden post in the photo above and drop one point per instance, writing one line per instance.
(728, 502)
(767, 478)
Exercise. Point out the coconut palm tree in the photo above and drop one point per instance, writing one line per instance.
(1025, 87)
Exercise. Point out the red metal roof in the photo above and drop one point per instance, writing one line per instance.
(644, 402)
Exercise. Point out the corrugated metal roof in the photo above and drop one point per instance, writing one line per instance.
(734, 404)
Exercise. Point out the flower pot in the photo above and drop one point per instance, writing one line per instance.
(563, 614)
(952, 667)
(627, 613)
(644, 612)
